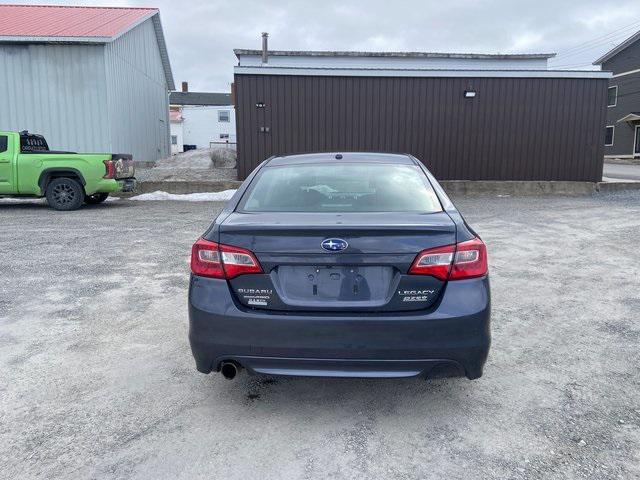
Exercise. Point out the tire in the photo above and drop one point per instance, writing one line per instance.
(96, 198)
(64, 194)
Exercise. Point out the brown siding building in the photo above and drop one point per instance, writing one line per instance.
(520, 122)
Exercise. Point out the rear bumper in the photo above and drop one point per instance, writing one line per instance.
(332, 367)
(127, 184)
(451, 340)
(109, 185)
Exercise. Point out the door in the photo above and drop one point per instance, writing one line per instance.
(6, 165)
(636, 142)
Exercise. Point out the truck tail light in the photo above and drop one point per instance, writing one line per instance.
(453, 262)
(211, 259)
(119, 167)
(110, 167)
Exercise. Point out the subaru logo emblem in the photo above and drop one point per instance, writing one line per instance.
(334, 244)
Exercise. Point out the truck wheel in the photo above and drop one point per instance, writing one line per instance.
(64, 194)
(96, 198)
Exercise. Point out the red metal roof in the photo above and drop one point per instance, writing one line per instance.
(61, 21)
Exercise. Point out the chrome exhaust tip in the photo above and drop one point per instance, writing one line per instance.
(229, 370)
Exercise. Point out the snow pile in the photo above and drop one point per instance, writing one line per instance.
(196, 159)
(223, 157)
(189, 197)
(203, 165)
(204, 158)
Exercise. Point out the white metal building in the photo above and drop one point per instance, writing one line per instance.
(206, 120)
(88, 78)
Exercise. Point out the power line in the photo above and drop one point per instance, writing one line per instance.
(561, 66)
(611, 43)
(614, 37)
(599, 40)
(606, 35)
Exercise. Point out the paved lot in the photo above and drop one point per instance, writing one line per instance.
(97, 381)
(621, 171)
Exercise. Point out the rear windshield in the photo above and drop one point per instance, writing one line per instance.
(355, 187)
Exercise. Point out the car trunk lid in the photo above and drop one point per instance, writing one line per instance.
(370, 274)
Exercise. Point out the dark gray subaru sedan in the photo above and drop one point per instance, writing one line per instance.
(344, 265)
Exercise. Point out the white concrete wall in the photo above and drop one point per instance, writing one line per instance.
(176, 129)
(395, 62)
(201, 126)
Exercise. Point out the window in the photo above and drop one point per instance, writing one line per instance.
(348, 187)
(223, 115)
(174, 139)
(224, 136)
(608, 136)
(3, 143)
(612, 96)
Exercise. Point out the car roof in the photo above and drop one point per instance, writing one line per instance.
(341, 157)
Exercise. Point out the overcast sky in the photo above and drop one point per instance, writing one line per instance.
(201, 34)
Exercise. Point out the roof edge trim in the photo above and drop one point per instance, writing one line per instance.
(164, 53)
(618, 48)
(66, 40)
(630, 117)
(380, 72)
(325, 53)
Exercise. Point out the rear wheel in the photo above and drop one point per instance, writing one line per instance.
(96, 198)
(64, 194)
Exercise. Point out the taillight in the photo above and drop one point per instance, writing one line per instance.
(435, 262)
(452, 262)
(111, 169)
(470, 260)
(210, 259)
(205, 259)
(238, 261)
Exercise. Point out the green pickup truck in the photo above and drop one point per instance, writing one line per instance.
(67, 179)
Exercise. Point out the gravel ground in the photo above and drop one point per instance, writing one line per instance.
(97, 380)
